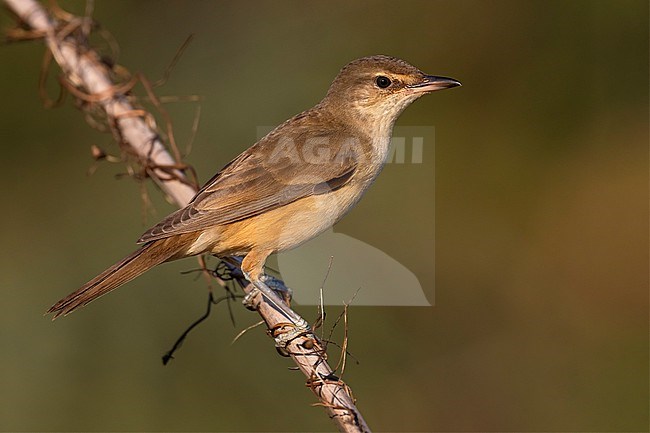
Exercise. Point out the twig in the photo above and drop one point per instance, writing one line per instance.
(179, 341)
(85, 71)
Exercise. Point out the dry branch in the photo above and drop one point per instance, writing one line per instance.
(89, 79)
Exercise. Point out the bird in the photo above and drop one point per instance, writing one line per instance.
(290, 186)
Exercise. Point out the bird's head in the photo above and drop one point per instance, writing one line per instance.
(378, 88)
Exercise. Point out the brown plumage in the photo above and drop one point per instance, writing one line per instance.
(133, 265)
(290, 186)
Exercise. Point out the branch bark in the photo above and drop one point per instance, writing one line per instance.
(84, 71)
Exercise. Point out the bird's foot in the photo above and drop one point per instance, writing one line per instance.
(278, 287)
(251, 301)
(288, 331)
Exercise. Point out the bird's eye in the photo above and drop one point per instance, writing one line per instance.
(382, 82)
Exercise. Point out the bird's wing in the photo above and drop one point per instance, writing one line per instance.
(283, 167)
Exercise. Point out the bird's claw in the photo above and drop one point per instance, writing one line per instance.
(278, 287)
(283, 333)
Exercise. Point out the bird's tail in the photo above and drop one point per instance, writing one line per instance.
(121, 272)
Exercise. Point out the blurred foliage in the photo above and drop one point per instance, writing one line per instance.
(540, 320)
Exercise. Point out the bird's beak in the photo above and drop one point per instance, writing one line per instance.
(431, 83)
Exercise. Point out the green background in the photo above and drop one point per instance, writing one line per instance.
(540, 176)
